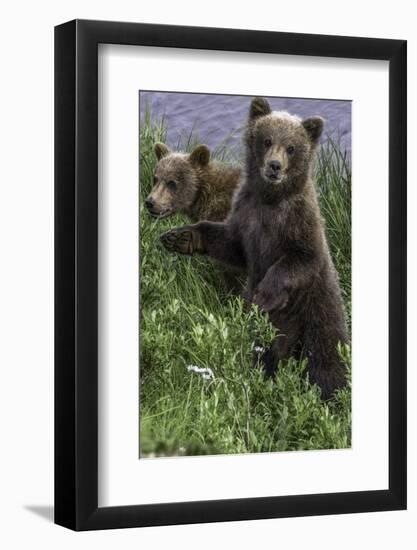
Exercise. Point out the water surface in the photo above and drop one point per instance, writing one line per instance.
(216, 118)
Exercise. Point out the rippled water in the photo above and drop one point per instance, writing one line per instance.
(215, 117)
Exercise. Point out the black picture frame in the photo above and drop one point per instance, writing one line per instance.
(76, 272)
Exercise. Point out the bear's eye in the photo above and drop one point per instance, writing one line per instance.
(291, 150)
(171, 185)
(268, 143)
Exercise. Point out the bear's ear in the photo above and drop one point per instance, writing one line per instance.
(161, 150)
(314, 128)
(259, 107)
(200, 155)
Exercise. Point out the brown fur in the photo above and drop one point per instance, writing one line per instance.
(275, 233)
(192, 184)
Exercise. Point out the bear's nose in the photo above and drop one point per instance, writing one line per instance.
(275, 165)
(149, 203)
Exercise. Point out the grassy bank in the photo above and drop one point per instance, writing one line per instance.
(188, 319)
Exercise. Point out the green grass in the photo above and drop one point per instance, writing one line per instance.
(188, 318)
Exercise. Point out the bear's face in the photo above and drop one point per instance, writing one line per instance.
(282, 144)
(176, 180)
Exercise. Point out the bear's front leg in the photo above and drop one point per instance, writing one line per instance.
(269, 299)
(214, 239)
(292, 272)
(273, 292)
(183, 240)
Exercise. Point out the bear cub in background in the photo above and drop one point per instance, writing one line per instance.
(200, 188)
(275, 234)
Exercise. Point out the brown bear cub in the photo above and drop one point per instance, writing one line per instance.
(275, 233)
(192, 184)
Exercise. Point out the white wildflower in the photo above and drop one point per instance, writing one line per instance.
(259, 349)
(205, 373)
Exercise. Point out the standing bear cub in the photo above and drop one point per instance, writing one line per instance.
(275, 233)
(192, 184)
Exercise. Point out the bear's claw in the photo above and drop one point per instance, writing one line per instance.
(178, 240)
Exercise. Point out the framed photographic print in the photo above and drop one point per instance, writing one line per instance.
(230, 244)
